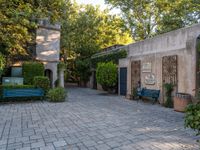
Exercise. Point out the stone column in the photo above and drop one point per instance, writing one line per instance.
(61, 78)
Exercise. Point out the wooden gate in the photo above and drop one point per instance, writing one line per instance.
(135, 73)
(169, 69)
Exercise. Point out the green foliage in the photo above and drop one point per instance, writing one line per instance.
(83, 69)
(30, 70)
(168, 93)
(134, 92)
(192, 117)
(107, 57)
(62, 66)
(57, 95)
(86, 30)
(41, 82)
(2, 63)
(147, 18)
(106, 74)
(18, 18)
(87, 21)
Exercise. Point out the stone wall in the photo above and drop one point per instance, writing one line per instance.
(181, 42)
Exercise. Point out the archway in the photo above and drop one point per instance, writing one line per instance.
(48, 73)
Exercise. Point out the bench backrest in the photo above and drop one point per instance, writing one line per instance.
(23, 92)
(150, 93)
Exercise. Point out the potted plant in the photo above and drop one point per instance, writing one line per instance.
(134, 93)
(169, 87)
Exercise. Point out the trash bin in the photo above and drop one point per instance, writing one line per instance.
(181, 100)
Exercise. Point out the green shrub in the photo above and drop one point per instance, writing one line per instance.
(106, 75)
(41, 82)
(134, 92)
(56, 95)
(169, 87)
(83, 70)
(2, 63)
(192, 117)
(30, 70)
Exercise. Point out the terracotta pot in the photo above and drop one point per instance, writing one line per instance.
(181, 100)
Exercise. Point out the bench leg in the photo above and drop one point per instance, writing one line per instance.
(139, 98)
(155, 99)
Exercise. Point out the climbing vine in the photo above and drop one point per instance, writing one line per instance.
(113, 57)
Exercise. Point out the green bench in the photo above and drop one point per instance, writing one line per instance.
(154, 94)
(29, 92)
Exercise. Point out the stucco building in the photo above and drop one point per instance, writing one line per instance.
(172, 57)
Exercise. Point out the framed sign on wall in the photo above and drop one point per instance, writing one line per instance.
(147, 67)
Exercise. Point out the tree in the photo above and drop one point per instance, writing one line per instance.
(18, 19)
(85, 31)
(147, 18)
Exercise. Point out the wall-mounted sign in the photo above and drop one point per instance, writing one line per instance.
(150, 79)
(146, 67)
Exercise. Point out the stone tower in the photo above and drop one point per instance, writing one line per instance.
(48, 48)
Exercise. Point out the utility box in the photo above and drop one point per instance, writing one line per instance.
(12, 81)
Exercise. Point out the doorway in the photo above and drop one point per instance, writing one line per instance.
(48, 73)
(123, 81)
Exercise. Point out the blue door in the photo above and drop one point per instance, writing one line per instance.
(123, 81)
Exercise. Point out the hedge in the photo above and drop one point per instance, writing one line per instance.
(41, 82)
(30, 70)
(113, 56)
(106, 75)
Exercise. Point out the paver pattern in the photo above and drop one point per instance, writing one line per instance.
(92, 120)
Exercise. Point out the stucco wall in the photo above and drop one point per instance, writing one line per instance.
(181, 42)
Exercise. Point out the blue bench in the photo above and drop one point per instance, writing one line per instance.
(29, 92)
(149, 93)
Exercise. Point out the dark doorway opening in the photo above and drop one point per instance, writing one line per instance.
(123, 81)
(94, 80)
(48, 73)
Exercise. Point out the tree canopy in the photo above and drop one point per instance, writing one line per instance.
(86, 30)
(147, 18)
(18, 17)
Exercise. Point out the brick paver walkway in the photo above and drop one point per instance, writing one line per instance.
(91, 120)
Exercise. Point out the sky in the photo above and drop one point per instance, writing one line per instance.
(93, 2)
(97, 2)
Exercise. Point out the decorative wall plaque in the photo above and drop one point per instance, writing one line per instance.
(146, 67)
(150, 79)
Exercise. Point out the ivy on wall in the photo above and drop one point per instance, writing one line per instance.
(107, 57)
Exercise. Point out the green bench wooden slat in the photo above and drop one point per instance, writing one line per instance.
(149, 93)
(30, 92)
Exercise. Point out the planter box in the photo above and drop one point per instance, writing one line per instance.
(181, 100)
